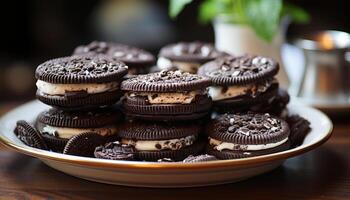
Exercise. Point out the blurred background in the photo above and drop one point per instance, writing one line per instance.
(34, 31)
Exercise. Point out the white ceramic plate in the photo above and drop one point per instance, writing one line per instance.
(150, 174)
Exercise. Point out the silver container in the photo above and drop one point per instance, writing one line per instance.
(326, 76)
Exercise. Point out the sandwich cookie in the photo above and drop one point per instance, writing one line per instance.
(166, 95)
(57, 126)
(138, 60)
(241, 81)
(187, 56)
(246, 135)
(79, 82)
(154, 141)
(29, 135)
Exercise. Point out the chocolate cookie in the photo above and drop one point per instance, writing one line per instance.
(115, 151)
(275, 106)
(138, 60)
(58, 126)
(83, 144)
(166, 95)
(241, 81)
(245, 135)
(299, 128)
(154, 141)
(187, 56)
(29, 135)
(79, 81)
(199, 158)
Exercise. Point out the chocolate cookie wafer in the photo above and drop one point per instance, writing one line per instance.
(58, 126)
(187, 56)
(245, 135)
(154, 141)
(84, 144)
(138, 60)
(241, 81)
(29, 135)
(79, 82)
(299, 128)
(166, 95)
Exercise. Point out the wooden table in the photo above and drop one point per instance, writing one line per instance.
(321, 174)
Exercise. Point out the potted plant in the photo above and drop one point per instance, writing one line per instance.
(247, 26)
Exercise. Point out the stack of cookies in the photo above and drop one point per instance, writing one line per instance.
(203, 105)
(163, 109)
(81, 90)
(245, 83)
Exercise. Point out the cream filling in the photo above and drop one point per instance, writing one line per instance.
(157, 145)
(61, 89)
(169, 97)
(191, 67)
(220, 145)
(219, 93)
(63, 132)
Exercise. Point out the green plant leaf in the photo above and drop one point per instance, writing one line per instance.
(209, 9)
(262, 15)
(176, 6)
(298, 14)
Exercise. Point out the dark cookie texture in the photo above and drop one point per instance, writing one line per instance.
(231, 136)
(250, 128)
(247, 102)
(115, 151)
(29, 135)
(82, 82)
(199, 158)
(54, 143)
(133, 57)
(191, 52)
(80, 100)
(83, 144)
(107, 117)
(230, 70)
(80, 119)
(299, 128)
(175, 155)
(81, 69)
(166, 81)
(275, 106)
(157, 130)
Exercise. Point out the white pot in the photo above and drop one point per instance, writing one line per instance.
(239, 39)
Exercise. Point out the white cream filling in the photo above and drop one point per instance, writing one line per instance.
(220, 145)
(219, 93)
(61, 89)
(169, 97)
(191, 67)
(157, 145)
(63, 132)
